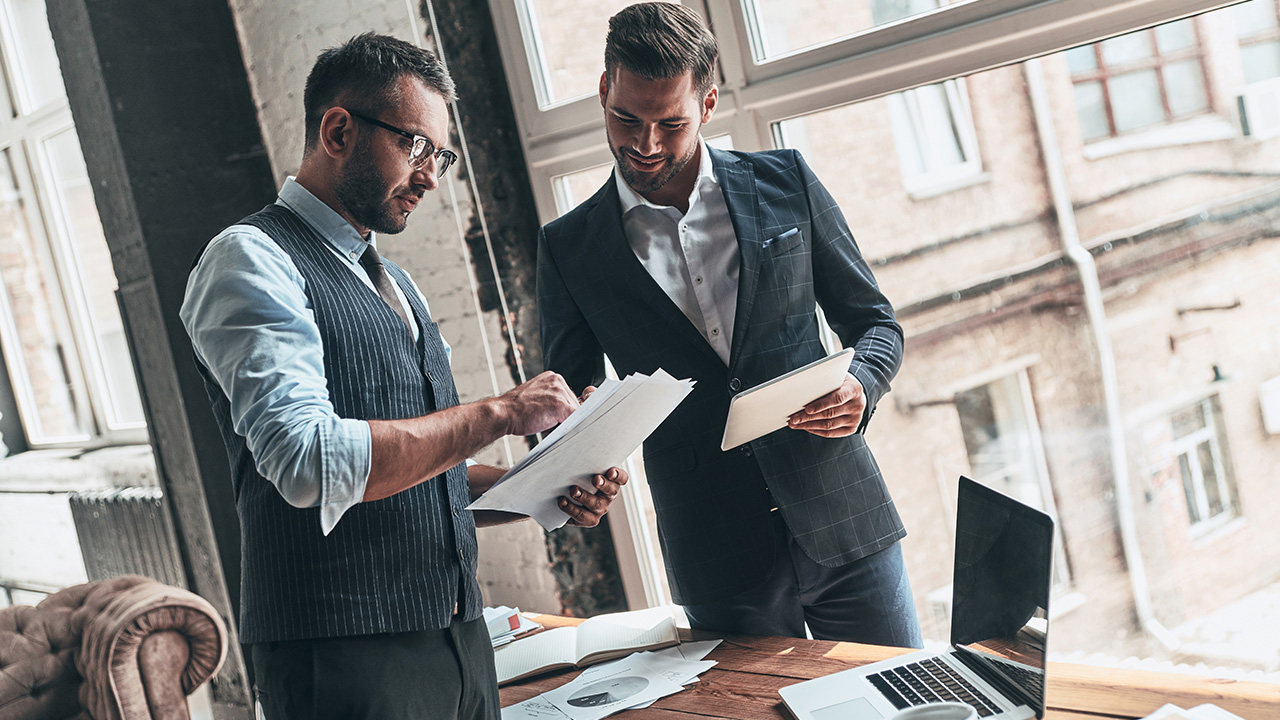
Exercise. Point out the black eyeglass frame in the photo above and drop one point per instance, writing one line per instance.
(418, 152)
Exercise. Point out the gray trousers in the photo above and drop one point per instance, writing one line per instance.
(439, 674)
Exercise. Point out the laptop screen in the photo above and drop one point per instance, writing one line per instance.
(1000, 600)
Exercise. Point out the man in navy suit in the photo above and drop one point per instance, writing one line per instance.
(711, 265)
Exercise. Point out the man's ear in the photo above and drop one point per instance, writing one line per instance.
(604, 87)
(337, 132)
(709, 103)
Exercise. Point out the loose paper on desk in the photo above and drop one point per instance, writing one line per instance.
(608, 427)
(1199, 712)
(633, 682)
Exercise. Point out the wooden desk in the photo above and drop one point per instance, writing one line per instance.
(744, 685)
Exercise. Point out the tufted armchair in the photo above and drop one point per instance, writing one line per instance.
(120, 649)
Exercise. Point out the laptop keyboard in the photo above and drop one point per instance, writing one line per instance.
(930, 681)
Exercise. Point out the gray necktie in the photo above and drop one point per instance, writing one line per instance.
(372, 263)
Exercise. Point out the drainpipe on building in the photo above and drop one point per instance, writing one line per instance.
(1088, 270)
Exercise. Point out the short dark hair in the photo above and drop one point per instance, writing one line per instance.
(365, 72)
(658, 40)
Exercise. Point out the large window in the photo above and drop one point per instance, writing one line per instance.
(64, 346)
(1258, 32)
(1139, 80)
(964, 142)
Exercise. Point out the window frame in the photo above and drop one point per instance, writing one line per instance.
(951, 42)
(1188, 445)
(1103, 74)
(25, 136)
(1269, 35)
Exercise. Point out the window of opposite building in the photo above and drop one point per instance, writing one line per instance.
(65, 352)
(1258, 32)
(1198, 448)
(1002, 439)
(1140, 80)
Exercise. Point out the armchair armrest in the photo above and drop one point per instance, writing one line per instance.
(145, 647)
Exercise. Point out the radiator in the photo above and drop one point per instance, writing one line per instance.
(127, 531)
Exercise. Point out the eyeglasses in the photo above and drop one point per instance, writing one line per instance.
(421, 150)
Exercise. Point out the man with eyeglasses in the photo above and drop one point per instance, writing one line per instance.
(332, 388)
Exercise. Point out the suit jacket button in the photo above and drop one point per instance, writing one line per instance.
(746, 450)
(735, 385)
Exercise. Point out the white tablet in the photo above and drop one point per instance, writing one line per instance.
(764, 408)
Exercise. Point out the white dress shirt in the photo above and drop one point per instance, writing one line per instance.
(693, 257)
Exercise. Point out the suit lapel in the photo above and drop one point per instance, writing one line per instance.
(738, 182)
(605, 236)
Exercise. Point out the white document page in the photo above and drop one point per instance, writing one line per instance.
(608, 427)
(550, 647)
(638, 628)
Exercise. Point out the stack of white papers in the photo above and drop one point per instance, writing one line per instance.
(608, 427)
(633, 682)
(505, 624)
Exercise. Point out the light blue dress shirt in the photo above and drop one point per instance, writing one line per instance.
(253, 327)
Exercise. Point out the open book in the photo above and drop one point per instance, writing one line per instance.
(601, 638)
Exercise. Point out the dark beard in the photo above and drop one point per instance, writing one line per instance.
(645, 184)
(364, 193)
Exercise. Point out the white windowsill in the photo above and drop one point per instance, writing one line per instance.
(923, 188)
(1215, 531)
(1187, 132)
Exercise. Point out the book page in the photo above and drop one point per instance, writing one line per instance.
(553, 648)
(620, 633)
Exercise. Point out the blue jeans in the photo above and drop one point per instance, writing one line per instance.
(866, 601)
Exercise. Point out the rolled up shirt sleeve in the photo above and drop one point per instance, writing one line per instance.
(252, 326)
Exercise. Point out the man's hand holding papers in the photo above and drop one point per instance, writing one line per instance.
(608, 427)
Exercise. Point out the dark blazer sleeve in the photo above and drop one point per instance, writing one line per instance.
(569, 346)
(847, 292)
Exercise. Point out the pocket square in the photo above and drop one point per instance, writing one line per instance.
(783, 242)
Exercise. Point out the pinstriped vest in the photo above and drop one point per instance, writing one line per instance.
(391, 565)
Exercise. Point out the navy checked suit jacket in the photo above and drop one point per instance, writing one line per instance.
(713, 507)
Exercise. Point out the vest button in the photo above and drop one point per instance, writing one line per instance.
(746, 450)
(735, 385)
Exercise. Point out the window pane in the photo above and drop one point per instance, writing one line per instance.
(573, 188)
(566, 45)
(41, 73)
(96, 275)
(1185, 85)
(1092, 111)
(783, 26)
(1261, 61)
(1135, 100)
(1127, 48)
(1188, 421)
(1209, 472)
(1081, 59)
(1189, 489)
(1175, 36)
(1253, 17)
(40, 354)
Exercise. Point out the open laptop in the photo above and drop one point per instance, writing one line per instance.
(999, 627)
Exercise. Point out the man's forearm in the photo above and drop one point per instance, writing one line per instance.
(407, 452)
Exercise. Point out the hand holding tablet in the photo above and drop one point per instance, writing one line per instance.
(764, 408)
